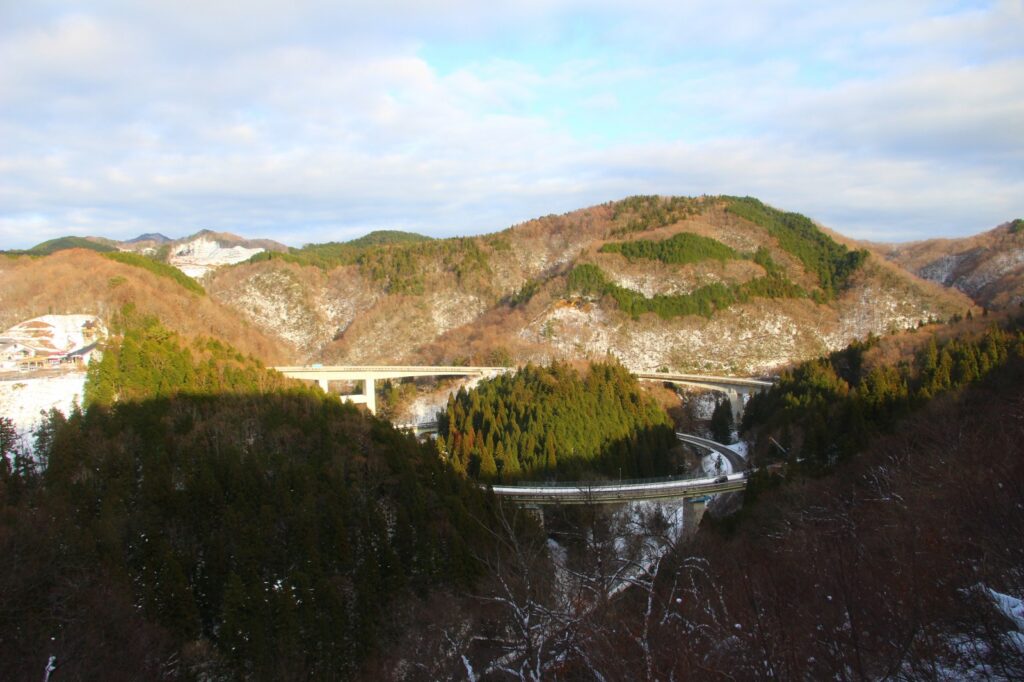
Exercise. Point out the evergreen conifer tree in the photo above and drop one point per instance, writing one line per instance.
(722, 422)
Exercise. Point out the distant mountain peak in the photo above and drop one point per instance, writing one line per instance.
(150, 237)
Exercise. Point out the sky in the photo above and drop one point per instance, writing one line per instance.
(310, 121)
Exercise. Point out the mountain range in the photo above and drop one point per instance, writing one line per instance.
(710, 284)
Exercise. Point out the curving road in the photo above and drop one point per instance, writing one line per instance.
(604, 493)
(737, 462)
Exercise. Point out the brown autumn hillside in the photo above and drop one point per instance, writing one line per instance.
(988, 267)
(504, 296)
(81, 281)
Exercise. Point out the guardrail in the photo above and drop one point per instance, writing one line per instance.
(615, 492)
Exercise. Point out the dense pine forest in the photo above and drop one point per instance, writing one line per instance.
(678, 249)
(553, 422)
(831, 262)
(204, 518)
(589, 279)
(828, 409)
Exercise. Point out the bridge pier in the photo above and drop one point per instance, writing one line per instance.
(370, 374)
(693, 512)
(370, 394)
(535, 512)
(735, 397)
(368, 397)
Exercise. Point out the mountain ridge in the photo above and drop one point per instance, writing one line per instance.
(988, 266)
(505, 294)
(779, 289)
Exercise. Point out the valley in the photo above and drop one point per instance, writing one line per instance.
(189, 474)
(511, 342)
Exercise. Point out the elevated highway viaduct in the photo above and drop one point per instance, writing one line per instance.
(368, 375)
(733, 387)
(693, 492)
(572, 493)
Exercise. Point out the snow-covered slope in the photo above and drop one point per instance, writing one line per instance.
(26, 400)
(201, 255)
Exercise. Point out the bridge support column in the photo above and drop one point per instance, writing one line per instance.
(323, 384)
(693, 512)
(736, 400)
(535, 512)
(370, 393)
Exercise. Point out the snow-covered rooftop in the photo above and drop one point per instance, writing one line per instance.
(56, 334)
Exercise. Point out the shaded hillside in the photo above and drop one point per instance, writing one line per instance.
(709, 283)
(883, 570)
(827, 409)
(898, 559)
(78, 281)
(988, 267)
(205, 518)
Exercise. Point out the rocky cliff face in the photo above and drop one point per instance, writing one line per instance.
(504, 297)
(988, 267)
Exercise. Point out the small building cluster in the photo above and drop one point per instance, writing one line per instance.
(51, 341)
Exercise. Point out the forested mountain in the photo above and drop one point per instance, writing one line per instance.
(707, 283)
(828, 409)
(548, 422)
(204, 518)
(714, 284)
(52, 246)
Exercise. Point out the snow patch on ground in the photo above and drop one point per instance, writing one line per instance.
(275, 301)
(454, 309)
(704, 404)
(23, 400)
(1011, 607)
(943, 269)
(973, 655)
(426, 406)
(637, 516)
(57, 333)
(709, 464)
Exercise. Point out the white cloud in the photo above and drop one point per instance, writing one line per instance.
(306, 120)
